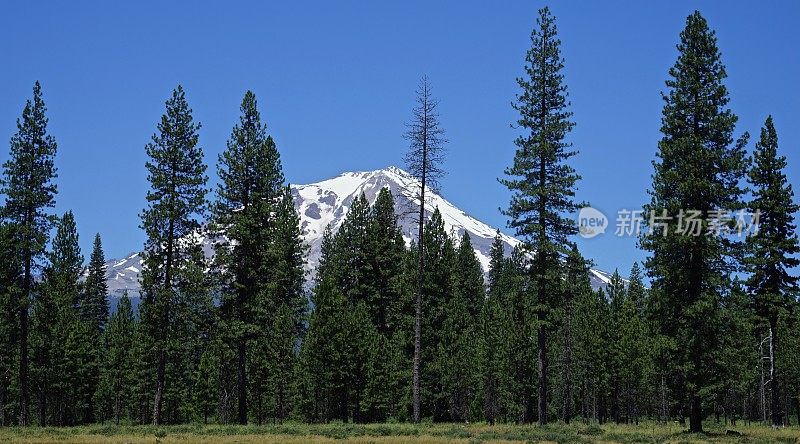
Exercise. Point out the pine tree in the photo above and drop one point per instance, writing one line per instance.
(350, 265)
(699, 168)
(81, 371)
(63, 353)
(144, 373)
(424, 159)
(93, 303)
(542, 182)
(92, 306)
(773, 248)
(9, 323)
(251, 183)
(459, 332)
(45, 349)
(386, 250)
(28, 186)
(324, 359)
(495, 334)
(205, 393)
(385, 392)
(575, 288)
(789, 366)
(175, 201)
(189, 336)
(286, 309)
(617, 297)
(440, 255)
(637, 292)
(356, 330)
(517, 286)
(114, 390)
(739, 353)
(633, 348)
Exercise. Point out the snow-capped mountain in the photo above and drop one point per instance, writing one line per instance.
(327, 203)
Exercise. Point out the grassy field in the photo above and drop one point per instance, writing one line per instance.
(399, 433)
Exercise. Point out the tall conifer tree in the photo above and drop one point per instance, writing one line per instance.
(62, 348)
(28, 186)
(424, 159)
(774, 248)
(542, 182)
(93, 304)
(9, 323)
(176, 200)
(244, 213)
(699, 168)
(495, 337)
(114, 391)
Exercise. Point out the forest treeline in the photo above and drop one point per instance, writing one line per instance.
(708, 328)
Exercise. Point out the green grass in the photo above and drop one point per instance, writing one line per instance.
(399, 433)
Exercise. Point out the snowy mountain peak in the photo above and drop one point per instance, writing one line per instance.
(326, 203)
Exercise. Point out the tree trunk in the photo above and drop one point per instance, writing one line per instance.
(777, 411)
(567, 374)
(696, 414)
(164, 327)
(23, 342)
(42, 407)
(797, 408)
(420, 281)
(157, 401)
(242, 383)
(542, 342)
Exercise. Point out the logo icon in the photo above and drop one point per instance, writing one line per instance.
(591, 222)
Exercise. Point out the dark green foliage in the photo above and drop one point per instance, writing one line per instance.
(439, 259)
(173, 263)
(281, 306)
(63, 346)
(144, 375)
(205, 385)
(628, 348)
(93, 301)
(9, 325)
(634, 346)
(773, 249)
(325, 363)
(260, 259)
(459, 333)
(389, 365)
(699, 168)
(27, 184)
(342, 319)
(361, 321)
(616, 365)
(543, 184)
(593, 316)
(523, 341)
(496, 330)
(739, 383)
(566, 339)
(114, 395)
(385, 265)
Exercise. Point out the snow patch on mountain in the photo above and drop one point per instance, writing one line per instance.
(327, 203)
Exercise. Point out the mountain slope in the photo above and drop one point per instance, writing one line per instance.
(327, 203)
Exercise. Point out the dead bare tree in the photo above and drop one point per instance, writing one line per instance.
(423, 160)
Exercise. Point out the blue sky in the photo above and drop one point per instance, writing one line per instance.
(335, 83)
